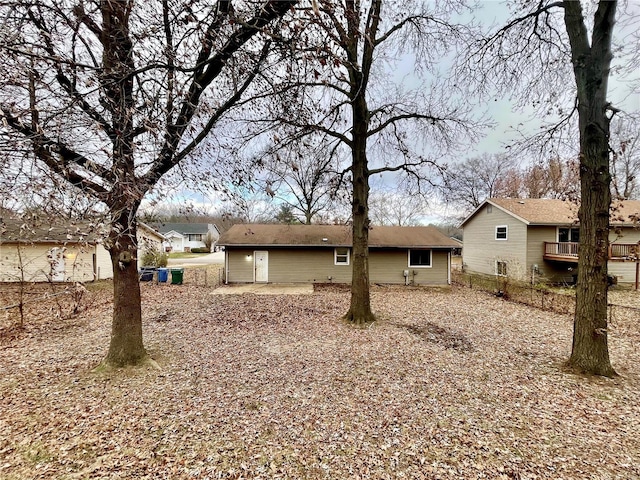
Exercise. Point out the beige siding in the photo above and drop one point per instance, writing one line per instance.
(625, 271)
(317, 265)
(104, 268)
(147, 240)
(32, 263)
(481, 250)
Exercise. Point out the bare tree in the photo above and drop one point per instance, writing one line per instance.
(546, 45)
(396, 207)
(469, 183)
(625, 158)
(304, 175)
(554, 178)
(110, 96)
(341, 86)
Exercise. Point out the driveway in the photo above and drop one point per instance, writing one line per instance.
(210, 259)
(265, 289)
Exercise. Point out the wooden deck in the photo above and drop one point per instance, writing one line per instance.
(568, 252)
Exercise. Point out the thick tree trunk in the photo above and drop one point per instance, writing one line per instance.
(360, 308)
(590, 351)
(126, 347)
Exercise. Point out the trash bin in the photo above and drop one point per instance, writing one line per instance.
(163, 275)
(176, 276)
(146, 274)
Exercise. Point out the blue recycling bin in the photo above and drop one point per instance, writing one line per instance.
(163, 275)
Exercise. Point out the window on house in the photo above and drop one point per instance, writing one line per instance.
(489, 208)
(569, 234)
(419, 258)
(195, 237)
(501, 268)
(341, 256)
(501, 232)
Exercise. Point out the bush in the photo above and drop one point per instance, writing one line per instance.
(154, 258)
(200, 250)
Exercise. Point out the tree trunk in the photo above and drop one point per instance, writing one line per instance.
(126, 347)
(360, 308)
(590, 351)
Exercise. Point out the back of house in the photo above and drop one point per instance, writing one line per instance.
(279, 253)
(538, 238)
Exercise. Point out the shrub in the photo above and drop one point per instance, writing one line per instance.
(200, 250)
(154, 258)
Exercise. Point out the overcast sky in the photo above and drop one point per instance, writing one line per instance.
(500, 107)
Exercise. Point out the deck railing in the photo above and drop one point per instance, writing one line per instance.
(569, 250)
(561, 249)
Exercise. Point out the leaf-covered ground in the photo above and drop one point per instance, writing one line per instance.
(448, 384)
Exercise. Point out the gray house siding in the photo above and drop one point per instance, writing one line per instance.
(524, 247)
(388, 266)
(317, 265)
(550, 271)
(239, 267)
(481, 250)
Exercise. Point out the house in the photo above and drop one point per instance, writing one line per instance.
(60, 252)
(322, 254)
(182, 237)
(523, 237)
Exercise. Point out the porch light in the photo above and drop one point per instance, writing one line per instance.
(248, 257)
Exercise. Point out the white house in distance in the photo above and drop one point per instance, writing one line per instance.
(183, 237)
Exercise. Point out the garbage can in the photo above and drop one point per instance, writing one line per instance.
(176, 276)
(163, 275)
(146, 274)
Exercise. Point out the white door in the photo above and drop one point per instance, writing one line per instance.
(56, 259)
(261, 266)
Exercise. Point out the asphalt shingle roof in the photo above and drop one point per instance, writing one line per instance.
(332, 235)
(549, 211)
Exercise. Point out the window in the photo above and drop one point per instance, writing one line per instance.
(195, 237)
(489, 208)
(341, 256)
(420, 258)
(501, 268)
(569, 235)
(501, 232)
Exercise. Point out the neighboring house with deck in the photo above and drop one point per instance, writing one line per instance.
(521, 237)
(60, 251)
(323, 254)
(183, 237)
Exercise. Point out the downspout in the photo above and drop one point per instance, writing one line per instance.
(449, 269)
(226, 266)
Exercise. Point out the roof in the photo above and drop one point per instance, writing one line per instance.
(184, 228)
(57, 231)
(47, 231)
(253, 235)
(549, 211)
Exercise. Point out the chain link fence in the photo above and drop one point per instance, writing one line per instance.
(205, 276)
(561, 301)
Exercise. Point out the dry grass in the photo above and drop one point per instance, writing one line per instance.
(448, 384)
